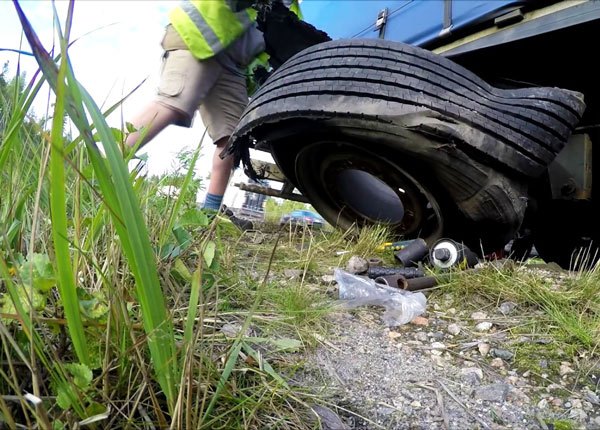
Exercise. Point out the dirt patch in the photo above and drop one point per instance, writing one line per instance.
(440, 375)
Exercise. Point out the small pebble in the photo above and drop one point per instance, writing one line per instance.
(394, 335)
(421, 336)
(357, 265)
(327, 279)
(472, 374)
(483, 326)
(454, 329)
(565, 369)
(422, 321)
(478, 316)
(504, 354)
(507, 307)
(484, 348)
(498, 363)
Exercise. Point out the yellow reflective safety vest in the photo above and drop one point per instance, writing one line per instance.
(209, 26)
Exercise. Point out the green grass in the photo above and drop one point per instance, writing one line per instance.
(114, 300)
(560, 309)
(109, 310)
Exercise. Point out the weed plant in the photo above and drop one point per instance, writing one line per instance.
(114, 298)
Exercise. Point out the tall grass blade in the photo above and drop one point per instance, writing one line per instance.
(140, 256)
(20, 109)
(58, 204)
(122, 203)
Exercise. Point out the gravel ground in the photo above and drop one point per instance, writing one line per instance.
(437, 373)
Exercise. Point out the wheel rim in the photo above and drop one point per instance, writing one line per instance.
(349, 185)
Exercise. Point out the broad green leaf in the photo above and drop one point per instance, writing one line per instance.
(37, 299)
(13, 230)
(38, 272)
(82, 375)
(58, 425)
(42, 265)
(88, 172)
(193, 218)
(184, 238)
(209, 252)
(169, 250)
(63, 396)
(182, 271)
(96, 412)
(130, 127)
(143, 156)
(117, 134)
(92, 306)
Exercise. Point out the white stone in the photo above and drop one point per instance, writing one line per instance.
(565, 369)
(454, 329)
(484, 349)
(498, 363)
(483, 326)
(576, 403)
(472, 371)
(478, 316)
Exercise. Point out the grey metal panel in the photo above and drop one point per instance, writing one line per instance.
(568, 17)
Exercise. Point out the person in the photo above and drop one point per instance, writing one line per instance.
(207, 46)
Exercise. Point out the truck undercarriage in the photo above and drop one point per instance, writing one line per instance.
(477, 148)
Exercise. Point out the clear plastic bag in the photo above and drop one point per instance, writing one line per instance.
(401, 306)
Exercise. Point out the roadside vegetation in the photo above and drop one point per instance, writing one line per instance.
(123, 307)
(556, 317)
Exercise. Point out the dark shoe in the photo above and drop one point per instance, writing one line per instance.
(242, 224)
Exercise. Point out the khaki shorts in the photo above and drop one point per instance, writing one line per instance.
(214, 86)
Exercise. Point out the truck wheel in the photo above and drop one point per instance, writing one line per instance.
(354, 123)
(352, 186)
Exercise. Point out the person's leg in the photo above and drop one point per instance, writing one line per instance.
(219, 177)
(184, 83)
(151, 121)
(221, 169)
(221, 111)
